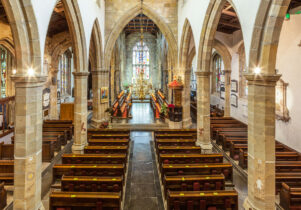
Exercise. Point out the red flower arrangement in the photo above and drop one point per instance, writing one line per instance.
(171, 106)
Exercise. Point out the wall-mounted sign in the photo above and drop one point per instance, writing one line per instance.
(104, 95)
(46, 98)
(282, 112)
(234, 87)
(234, 100)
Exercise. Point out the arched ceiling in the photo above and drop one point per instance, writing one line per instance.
(141, 21)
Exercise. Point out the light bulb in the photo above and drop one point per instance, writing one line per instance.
(30, 72)
(14, 71)
(257, 70)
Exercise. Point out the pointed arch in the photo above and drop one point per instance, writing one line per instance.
(25, 33)
(187, 37)
(95, 52)
(8, 43)
(129, 15)
(76, 28)
(266, 34)
(224, 53)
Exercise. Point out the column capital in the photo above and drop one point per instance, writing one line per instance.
(81, 74)
(26, 81)
(203, 73)
(262, 80)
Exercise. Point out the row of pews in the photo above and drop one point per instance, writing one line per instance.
(55, 134)
(122, 105)
(232, 136)
(157, 100)
(95, 179)
(190, 179)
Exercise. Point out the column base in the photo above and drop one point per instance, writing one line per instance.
(78, 149)
(187, 123)
(206, 148)
(248, 205)
(175, 125)
(96, 123)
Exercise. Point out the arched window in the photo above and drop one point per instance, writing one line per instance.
(243, 83)
(64, 73)
(6, 65)
(217, 72)
(140, 60)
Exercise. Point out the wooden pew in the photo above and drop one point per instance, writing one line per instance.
(107, 131)
(91, 184)
(222, 137)
(60, 127)
(226, 144)
(56, 141)
(61, 135)
(215, 131)
(175, 142)
(48, 151)
(110, 136)
(194, 183)
(288, 166)
(7, 171)
(88, 170)
(3, 196)
(175, 136)
(94, 159)
(280, 156)
(223, 199)
(175, 131)
(85, 200)
(6, 151)
(108, 142)
(62, 131)
(290, 197)
(179, 149)
(198, 169)
(292, 179)
(106, 149)
(190, 158)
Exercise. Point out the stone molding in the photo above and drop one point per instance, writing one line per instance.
(81, 74)
(262, 80)
(25, 81)
(227, 71)
(203, 73)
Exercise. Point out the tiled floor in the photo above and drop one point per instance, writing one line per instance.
(142, 113)
(143, 187)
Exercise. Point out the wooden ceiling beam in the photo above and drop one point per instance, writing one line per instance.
(236, 26)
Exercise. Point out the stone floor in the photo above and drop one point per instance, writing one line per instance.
(142, 113)
(143, 187)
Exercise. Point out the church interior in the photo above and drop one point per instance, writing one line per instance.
(150, 104)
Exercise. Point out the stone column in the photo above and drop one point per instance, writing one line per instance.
(100, 79)
(53, 95)
(165, 89)
(80, 111)
(187, 122)
(117, 81)
(28, 142)
(227, 108)
(169, 91)
(261, 142)
(203, 110)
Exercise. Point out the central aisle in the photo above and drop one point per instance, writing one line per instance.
(142, 113)
(143, 187)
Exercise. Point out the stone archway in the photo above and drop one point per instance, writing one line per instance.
(261, 104)
(28, 122)
(166, 31)
(185, 62)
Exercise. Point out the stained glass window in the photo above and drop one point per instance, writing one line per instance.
(217, 61)
(140, 60)
(5, 58)
(64, 74)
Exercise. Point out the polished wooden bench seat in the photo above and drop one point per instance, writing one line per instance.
(290, 197)
(91, 184)
(58, 122)
(175, 136)
(226, 143)
(94, 158)
(167, 131)
(225, 122)
(194, 183)
(92, 131)
(85, 200)
(175, 142)
(55, 140)
(280, 156)
(216, 131)
(61, 135)
(291, 178)
(88, 170)
(109, 142)
(223, 136)
(198, 169)
(222, 199)
(288, 166)
(190, 158)
(106, 149)
(57, 127)
(179, 149)
(7, 171)
(109, 136)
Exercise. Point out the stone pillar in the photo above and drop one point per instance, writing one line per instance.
(117, 81)
(261, 142)
(80, 111)
(187, 122)
(169, 91)
(28, 142)
(164, 84)
(53, 95)
(100, 79)
(227, 108)
(203, 110)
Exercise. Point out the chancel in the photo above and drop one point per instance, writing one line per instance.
(150, 104)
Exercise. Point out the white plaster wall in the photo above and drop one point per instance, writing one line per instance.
(89, 12)
(288, 64)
